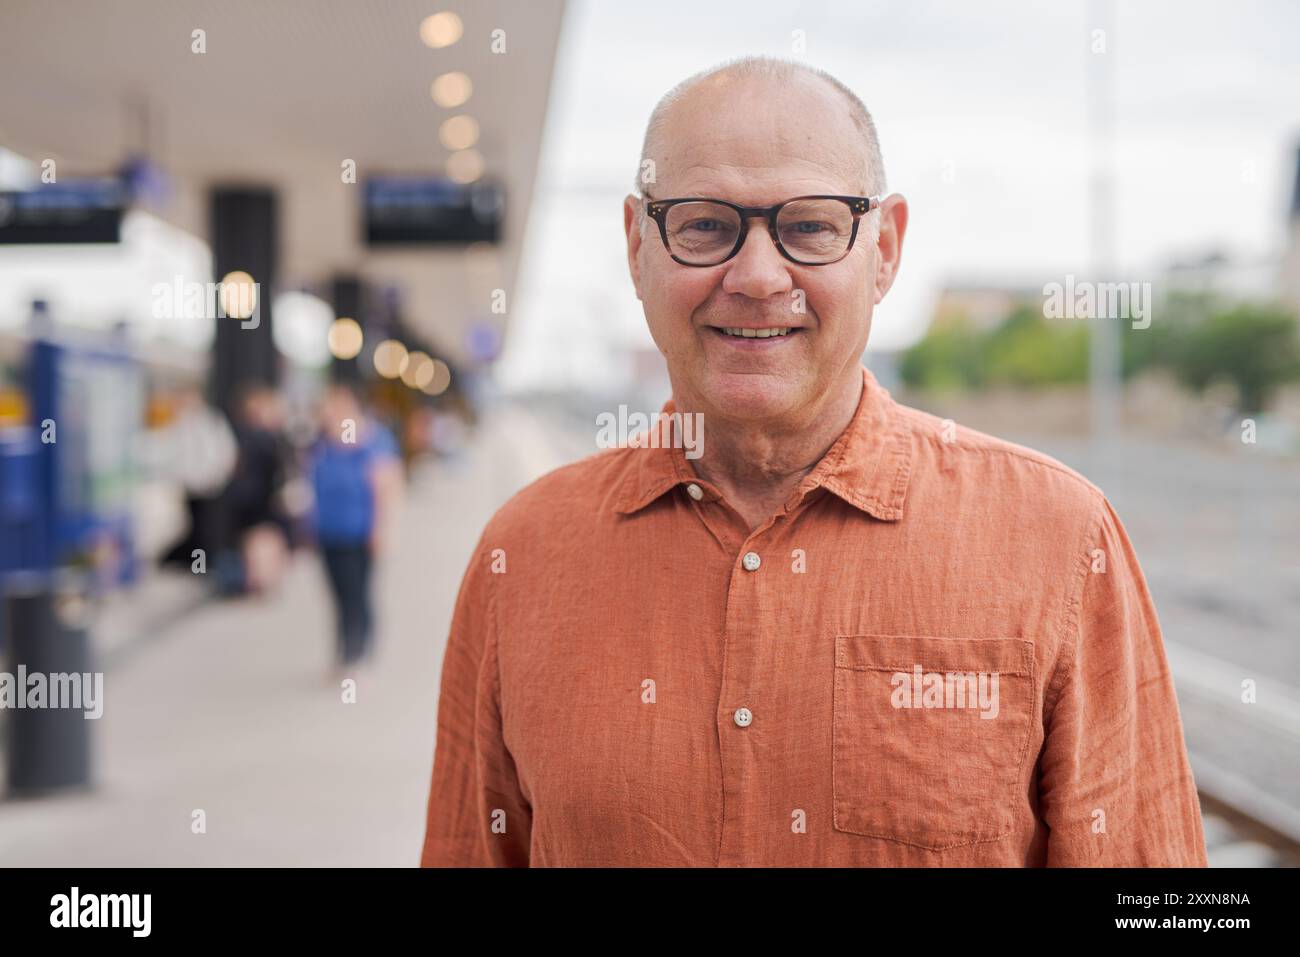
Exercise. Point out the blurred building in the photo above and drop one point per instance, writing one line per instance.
(983, 305)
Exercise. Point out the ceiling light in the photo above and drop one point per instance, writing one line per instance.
(452, 89)
(419, 371)
(465, 166)
(458, 132)
(238, 294)
(441, 29)
(440, 381)
(345, 338)
(390, 358)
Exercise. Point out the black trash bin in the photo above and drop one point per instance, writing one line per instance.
(48, 748)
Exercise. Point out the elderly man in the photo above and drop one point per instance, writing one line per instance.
(848, 633)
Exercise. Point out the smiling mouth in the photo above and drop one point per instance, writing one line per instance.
(735, 332)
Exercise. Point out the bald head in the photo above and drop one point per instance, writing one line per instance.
(779, 93)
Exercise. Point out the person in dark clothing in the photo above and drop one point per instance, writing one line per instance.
(260, 530)
(348, 567)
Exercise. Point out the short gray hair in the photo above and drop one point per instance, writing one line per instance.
(778, 69)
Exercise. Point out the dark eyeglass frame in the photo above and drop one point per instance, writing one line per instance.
(657, 209)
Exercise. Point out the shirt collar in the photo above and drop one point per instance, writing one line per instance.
(868, 466)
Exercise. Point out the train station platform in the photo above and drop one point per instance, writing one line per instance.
(229, 707)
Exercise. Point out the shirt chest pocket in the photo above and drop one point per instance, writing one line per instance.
(930, 737)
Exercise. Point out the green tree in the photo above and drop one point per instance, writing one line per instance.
(949, 357)
(1030, 351)
(1161, 343)
(1254, 346)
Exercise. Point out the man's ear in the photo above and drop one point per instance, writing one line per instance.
(632, 227)
(893, 224)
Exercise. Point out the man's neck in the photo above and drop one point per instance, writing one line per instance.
(758, 466)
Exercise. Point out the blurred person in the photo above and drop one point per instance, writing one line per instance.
(197, 449)
(417, 433)
(356, 475)
(840, 631)
(448, 434)
(260, 524)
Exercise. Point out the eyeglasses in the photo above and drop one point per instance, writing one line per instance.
(808, 230)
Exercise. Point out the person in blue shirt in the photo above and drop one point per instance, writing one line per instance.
(355, 471)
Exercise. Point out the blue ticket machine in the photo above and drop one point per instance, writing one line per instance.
(66, 480)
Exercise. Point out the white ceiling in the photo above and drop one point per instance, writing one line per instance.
(285, 92)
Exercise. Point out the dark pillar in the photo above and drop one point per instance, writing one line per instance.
(49, 748)
(243, 232)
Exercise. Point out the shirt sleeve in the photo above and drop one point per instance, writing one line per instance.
(1115, 784)
(477, 815)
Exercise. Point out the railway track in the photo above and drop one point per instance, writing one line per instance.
(1245, 755)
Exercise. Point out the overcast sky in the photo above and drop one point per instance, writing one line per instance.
(982, 115)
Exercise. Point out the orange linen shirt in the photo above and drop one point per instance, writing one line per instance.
(940, 651)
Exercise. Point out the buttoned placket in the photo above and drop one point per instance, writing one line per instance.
(739, 716)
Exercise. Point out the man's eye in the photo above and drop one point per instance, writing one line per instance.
(704, 225)
(808, 226)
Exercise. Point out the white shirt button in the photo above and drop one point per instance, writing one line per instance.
(694, 491)
(751, 561)
(743, 718)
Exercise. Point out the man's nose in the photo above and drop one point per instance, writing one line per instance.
(758, 270)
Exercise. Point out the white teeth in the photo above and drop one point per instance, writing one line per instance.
(756, 333)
